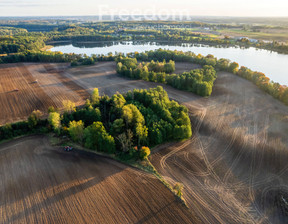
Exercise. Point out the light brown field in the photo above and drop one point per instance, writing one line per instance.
(234, 169)
(44, 184)
(50, 90)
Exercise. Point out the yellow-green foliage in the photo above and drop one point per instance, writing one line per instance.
(76, 130)
(144, 152)
(69, 106)
(95, 96)
(54, 120)
(34, 118)
(132, 115)
(178, 188)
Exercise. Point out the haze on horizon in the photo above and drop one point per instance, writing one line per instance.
(244, 8)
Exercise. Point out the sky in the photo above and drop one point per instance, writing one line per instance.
(250, 8)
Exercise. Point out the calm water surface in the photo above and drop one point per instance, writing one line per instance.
(270, 63)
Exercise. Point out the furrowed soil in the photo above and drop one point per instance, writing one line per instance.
(44, 184)
(234, 168)
(27, 87)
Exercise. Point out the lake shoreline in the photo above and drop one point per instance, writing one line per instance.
(268, 62)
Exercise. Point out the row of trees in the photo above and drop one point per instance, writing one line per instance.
(199, 81)
(34, 125)
(276, 90)
(273, 88)
(131, 63)
(48, 56)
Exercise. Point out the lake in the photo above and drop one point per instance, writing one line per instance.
(270, 63)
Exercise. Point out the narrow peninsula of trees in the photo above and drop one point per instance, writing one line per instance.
(199, 81)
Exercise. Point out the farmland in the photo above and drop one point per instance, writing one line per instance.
(43, 184)
(28, 87)
(233, 168)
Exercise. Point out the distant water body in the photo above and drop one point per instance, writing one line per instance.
(272, 64)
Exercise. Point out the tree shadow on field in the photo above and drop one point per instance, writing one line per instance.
(34, 209)
(50, 171)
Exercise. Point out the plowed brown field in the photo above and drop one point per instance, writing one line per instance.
(234, 169)
(44, 184)
(20, 94)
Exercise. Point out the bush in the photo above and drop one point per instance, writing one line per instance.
(96, 138)
(144, 153)
(34, 118)
(74, 63)
(55, 121)
(178, 188)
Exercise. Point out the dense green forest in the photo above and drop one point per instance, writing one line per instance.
(22, 42)
(125, 124)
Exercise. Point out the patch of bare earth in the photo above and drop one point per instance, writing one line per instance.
(181, 67)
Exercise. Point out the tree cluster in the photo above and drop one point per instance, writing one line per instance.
(125, 124)
(199, 81)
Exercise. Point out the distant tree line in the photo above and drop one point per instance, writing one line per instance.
(9, 31)
(44, 32)
(48, 56)
(21, 43)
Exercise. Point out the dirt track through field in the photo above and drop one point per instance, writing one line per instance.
(234, 168)
(44, 184)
